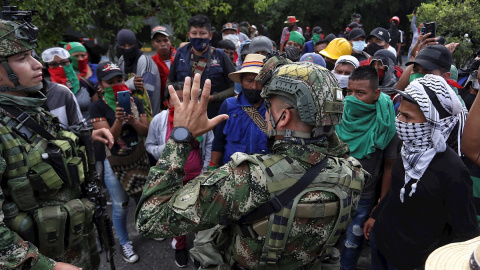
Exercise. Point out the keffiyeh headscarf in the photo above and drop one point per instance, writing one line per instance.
(421, 141)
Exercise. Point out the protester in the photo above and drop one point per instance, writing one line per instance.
(228, 47)
(431, 189)
(245, 130)
(316, 37)
(384, 62)
(261, 45)
(344, 66)
(79, 57)
(239, 187)
(377, 39)
(294, 46)
(415, 33)
(396, 37)
(61, 71)
(158, 134)
(127, 160)
(164, 56)
(357, 38)
(368, 128)
(143, 77)
(230, 32)
(472, 85)
(62, 103)
(194, 58)
(334, 50)
(291, 26)
(313, 58)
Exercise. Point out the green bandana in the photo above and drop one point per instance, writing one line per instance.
(297, 37)
(109, 96)
(415, 76)
(74, 62)
(366, 127)
(316, 38)
(72, 78)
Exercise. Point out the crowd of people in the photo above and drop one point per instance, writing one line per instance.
(281, 159)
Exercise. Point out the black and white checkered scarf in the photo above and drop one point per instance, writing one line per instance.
(421, 141)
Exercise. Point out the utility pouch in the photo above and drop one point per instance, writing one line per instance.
(44, 180)
(22, 194)
(57, 159)
(75, 222)
(82, 153)
(50, 223)
(75, 168)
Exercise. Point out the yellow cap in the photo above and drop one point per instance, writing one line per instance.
(337, 48)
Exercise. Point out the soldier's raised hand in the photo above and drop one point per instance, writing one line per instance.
(192, 112)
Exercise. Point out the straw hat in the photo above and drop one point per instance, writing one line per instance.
(253, 64)
(462, 255)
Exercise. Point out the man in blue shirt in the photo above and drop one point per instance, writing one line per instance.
(199, 57)
(245, 129)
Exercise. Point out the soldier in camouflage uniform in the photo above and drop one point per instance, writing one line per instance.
(43, 223)
(303, 102)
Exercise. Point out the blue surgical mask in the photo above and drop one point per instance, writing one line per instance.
(358, 46)
(200, 44)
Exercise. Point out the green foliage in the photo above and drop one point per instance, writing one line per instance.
(454, 20)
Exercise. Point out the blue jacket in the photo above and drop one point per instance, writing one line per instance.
(220, 67)
(239, 133)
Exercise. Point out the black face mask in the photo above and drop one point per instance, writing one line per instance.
(372, 48)
(128, 54)
(252, 95)
(329, 66)
(290, 28)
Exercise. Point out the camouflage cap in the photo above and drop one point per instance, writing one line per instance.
(310, 88)
(13, 40)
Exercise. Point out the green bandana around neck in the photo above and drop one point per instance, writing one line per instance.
(72, 78)
(109, 96)
(366, 127)
(316, 38)
(74, 63)
(415, 76)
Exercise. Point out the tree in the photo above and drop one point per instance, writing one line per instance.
(454, 20)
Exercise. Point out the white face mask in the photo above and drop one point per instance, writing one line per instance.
(342, 79)
(358, 46)
(233, 38)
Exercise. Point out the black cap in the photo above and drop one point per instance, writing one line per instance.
(328, 38)
(355, 33)
(107, 70)
(433, 57)
(317, 30)
(380, 33)
(353, 25)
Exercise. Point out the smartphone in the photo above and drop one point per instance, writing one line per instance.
(431, 27)
(421, 30)
(123, 98)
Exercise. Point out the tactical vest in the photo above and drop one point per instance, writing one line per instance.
(43, 177)
(342, 177)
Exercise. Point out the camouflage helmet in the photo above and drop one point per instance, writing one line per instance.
(13, 39)
(310, 88)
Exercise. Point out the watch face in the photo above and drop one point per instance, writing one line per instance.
(180, 134)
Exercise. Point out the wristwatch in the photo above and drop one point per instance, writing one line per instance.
(182, 135)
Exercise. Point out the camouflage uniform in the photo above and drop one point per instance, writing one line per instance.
(18, 156)
(235, 189)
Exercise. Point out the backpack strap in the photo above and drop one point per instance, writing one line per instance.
(25, 119)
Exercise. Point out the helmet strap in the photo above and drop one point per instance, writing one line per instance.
(11, 75)
(286, 132)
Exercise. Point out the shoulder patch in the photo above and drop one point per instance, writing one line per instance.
(188, 195)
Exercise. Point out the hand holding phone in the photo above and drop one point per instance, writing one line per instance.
(431, 27)
(123, 98)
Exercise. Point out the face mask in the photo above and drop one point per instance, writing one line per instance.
(200, 44)
(358, 46)
(413, 133)
(111, 94)
(129, 54)
(290, 28)
(342, 79)
(372, 48)
(415, 76)
(65, 75)
(233, 38)
(80, 65)
(316, 38)
(252, 95)
(293, 53)
(329, 66)
(381, 74)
